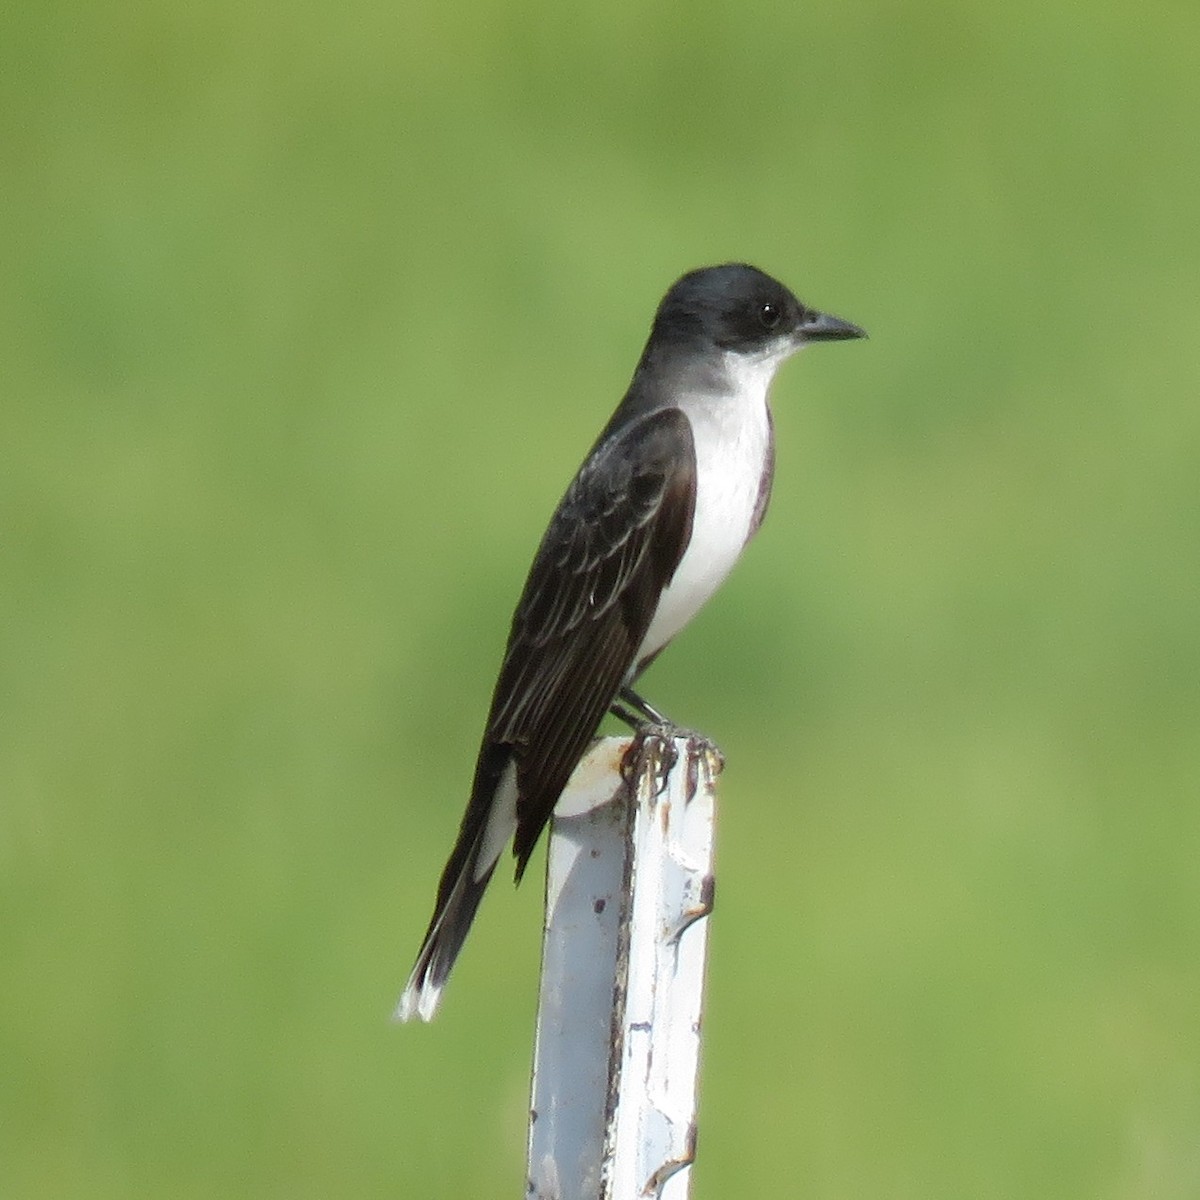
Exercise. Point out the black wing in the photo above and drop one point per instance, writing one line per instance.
(611, 549)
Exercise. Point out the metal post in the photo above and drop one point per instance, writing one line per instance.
(629, 877)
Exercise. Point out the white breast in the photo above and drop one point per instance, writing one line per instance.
(732, 432)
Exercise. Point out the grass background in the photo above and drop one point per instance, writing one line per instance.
(306, 316)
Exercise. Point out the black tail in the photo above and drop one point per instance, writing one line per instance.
(487, 828)
(443, 940)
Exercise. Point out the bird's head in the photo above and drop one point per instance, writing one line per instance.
(738, 308)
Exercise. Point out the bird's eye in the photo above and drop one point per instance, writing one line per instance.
(769, 315)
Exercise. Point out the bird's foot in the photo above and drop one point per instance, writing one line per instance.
(654, 751)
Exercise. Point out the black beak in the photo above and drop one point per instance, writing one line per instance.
(821, 327)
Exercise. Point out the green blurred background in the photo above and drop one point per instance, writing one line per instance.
(307, 315)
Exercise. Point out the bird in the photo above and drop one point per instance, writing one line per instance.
(664, 504)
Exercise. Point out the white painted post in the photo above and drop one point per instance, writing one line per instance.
(629, 878)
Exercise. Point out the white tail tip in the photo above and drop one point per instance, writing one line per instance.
(418, 1000)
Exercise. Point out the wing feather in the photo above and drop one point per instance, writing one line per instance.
(609, 552)
(612, 547)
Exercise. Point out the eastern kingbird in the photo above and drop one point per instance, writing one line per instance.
(666, 500)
